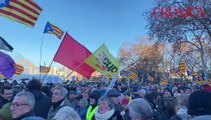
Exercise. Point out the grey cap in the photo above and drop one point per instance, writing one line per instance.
(113, 93)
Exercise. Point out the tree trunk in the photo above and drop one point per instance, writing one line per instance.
(203, 64)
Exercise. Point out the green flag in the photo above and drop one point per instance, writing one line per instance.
(102, 61)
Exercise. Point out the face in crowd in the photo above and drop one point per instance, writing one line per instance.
(7, 94)
(103, 106)
(57, 96)
(20, 106)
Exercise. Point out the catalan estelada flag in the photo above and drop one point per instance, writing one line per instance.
(23, 11)
(44, 69)
(52, 29)
(19, 69)
(182, 67)
(133, 75)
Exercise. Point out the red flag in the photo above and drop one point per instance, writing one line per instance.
(72, 55)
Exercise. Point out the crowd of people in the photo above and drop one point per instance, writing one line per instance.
(127, 100)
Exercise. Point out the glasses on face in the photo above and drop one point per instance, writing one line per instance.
(16, 105)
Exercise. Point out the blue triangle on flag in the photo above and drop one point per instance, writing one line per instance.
(4, 3)
(48, 28)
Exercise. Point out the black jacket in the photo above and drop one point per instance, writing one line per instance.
(31, 113)
(42, 104)
(116, 116)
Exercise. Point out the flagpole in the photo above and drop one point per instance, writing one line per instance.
(74, 69)
(48, 71)
(52, 60)
(41, 44)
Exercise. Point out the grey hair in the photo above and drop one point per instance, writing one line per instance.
(183, 100)
(29, 97)
(108, 100)
(67, 113)
(140, 108)
(62, 90)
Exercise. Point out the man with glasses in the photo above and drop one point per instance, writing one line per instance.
(22, 106)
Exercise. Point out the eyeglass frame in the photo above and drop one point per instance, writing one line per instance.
(17, 105)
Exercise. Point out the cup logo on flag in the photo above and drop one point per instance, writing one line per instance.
(105, 63)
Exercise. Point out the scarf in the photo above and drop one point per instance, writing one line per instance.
(104, 116)
(57, 104)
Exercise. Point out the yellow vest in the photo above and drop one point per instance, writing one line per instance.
(90, 113)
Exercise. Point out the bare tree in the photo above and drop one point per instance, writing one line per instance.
(194, 30)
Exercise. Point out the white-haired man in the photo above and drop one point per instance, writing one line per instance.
(140, 109)
(58, 100)
(22, 106)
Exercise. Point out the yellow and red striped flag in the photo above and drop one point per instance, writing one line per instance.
(182, 67)
(164, 82)
(23, 11)
(44, 69)
(19, 69)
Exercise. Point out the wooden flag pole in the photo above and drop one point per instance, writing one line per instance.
(47, 72)
(74, 69)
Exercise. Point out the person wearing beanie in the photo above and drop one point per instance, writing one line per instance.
(167, 93)
(72, 98)
(207, 87)
(93, 99)
(125, 112)
(43, 102)
(114, 95)
(199, 106)
(188, 90)
(106, 110)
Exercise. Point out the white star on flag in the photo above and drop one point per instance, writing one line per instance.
(2, 2)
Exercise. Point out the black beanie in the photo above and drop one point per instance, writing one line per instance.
(199, 103)
(168, 89)
(95, 95)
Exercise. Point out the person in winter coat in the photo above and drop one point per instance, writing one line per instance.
(199, 106)
(59, 100)
(42, 102)
(6, 95)
(67, 113)
(182, 107)
(93, 99)
(82, 109)
(106, 110)
(22, 106)
(166, 109)
(72, 98)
